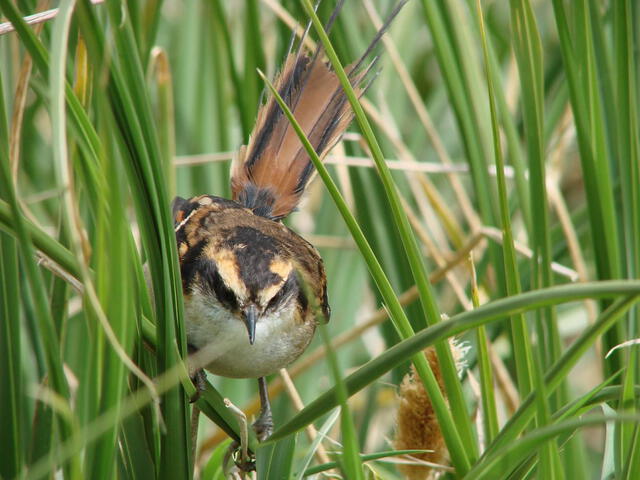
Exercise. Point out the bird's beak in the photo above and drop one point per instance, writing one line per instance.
(250, 317)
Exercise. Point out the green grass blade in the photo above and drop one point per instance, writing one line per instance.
(322, 433)
(489, 409)
(12, 387)
(513, 454)
(41, 240)
(430, 308)
(632, 462)
(133, 117)
(246, 118)
(211, 403)
(364, 457)
(520, 333)
(628, 154)
(397, 314)
(528, 51)
(528, 369)
(253, 60)
(46, 328)
(275, 460)
(561, 369)
(86, 134)
(165, 116)
(627, 128)
(349, 459)
(213, 470)
(458, 86)
(484, 314)
(578, 59)
(11, 383)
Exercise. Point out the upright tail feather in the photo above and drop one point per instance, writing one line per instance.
(269, 174)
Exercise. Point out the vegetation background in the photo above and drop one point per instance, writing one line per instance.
(508, 130)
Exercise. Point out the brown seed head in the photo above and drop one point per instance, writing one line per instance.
(417, 425)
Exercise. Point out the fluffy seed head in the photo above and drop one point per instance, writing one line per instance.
(417, 424)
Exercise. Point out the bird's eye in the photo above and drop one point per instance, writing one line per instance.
(285, 292)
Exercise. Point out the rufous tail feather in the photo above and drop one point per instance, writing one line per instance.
(269, 174)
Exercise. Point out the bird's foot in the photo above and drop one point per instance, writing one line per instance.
(199, 380)
(234, 463)
(263, 426)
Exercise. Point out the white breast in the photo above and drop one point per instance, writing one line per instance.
(279, 339)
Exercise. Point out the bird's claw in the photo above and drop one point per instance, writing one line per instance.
(234, 454)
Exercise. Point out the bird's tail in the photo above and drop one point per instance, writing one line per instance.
(269, 174)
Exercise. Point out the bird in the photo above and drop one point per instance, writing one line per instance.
(253, 288)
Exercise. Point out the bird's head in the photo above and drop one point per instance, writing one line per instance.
(248, 275)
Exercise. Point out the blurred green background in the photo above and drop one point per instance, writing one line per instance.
(505, 129)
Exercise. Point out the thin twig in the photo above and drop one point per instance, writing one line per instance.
(456, 286)
(36, 18)
(349, 161)
(410, 460)
(290, 22)
(331, 241)
(423, 116)
(20, 101)
(496, 235)
(57, 270)
(312, 433)
(244, 430)
(628, 343)
(504, 382)
(558, 203)
(426, 195)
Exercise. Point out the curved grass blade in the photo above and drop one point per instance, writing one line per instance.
(528, 366)
(11, 388)
(208, 403)
(397, 314)
(364, 458)
(138, 133)
(461, 429)
(275, 460)
(560, 369)
(350, 462)
(586, 103)
(322, 433)
(489, 409)
(510, 456)
(574, 409)
(41, 240)
(46, 328)
(87, 136)
(462, 322)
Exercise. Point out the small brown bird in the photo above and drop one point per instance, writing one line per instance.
(253, 288)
